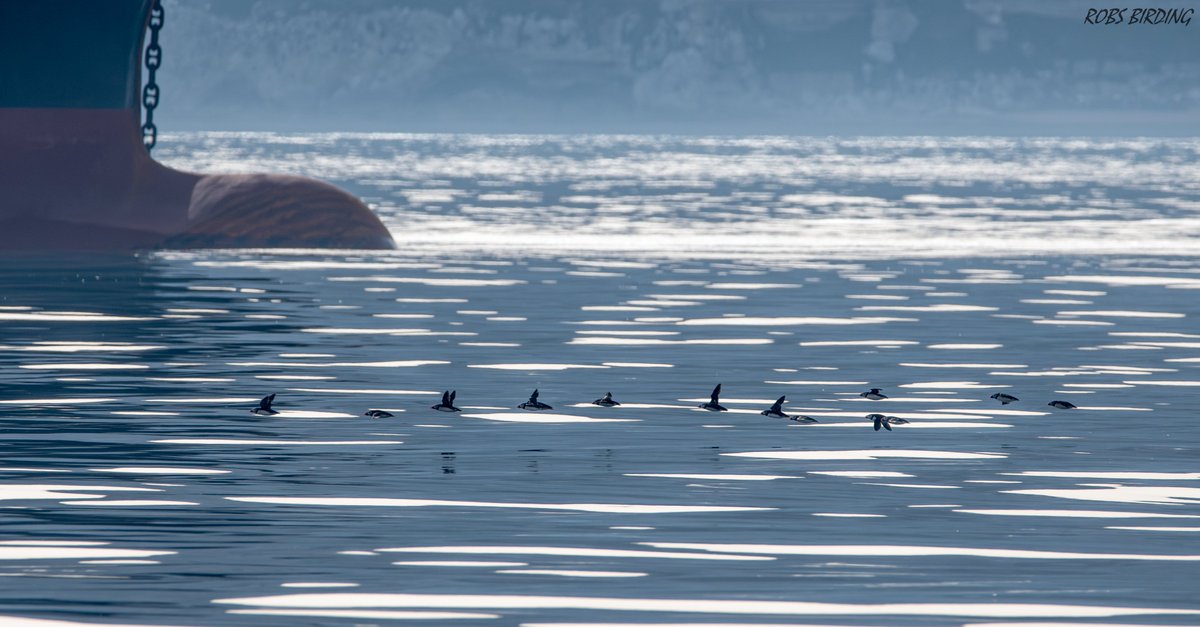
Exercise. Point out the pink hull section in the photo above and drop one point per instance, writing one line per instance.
(80, 179)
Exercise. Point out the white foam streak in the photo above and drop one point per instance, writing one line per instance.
(411, 363)
(856, 455)
(571, 573)
(641, 341)
(568, 551)
(899, 550)
(602, 508)
(161, 470)
(1125, 280)
(435, 282)
(702, 606)
(534, 366)
(460, 563)
(543, 418)
(860, 474)
(1146, 495)
(82, 347)
(1071, 513)
(365, 614)
(1150, 476)
(785, 321)
(67, 316)
(56, 401)
(713, 477)
(1123, 314)
(860, 343)
(130, 503)
(25, 492)
(72, 553)
(280, 442)
(1171, 529)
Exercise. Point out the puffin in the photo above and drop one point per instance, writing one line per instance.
(874, 394)
(776, 410)
(713, 403)
(1004, 398)
(264, 407)
(607, 401)
(377, 413)
(447, 403)
(1061, 405)
(533, 404)
(885, 421)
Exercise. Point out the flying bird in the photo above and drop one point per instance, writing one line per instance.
(447, 403)
(885, 421)
(533, 404)
(377, 413)
(1004, 398)
(713, 403)
(1061, 405)
(874, 394)
(776, 410)
(264, 407)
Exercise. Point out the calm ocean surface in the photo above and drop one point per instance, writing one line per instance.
(136, 487)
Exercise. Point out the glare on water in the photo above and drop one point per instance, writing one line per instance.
(135, 484)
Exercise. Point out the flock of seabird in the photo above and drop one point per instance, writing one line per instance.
(881, 421)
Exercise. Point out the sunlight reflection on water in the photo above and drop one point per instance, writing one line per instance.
(601, 514)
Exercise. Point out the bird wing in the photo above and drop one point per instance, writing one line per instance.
(778, 406)
(715, 394)
(878, 422)
(265, 403)
(533, 397)
(453, 393)
(446, 397)
(887, 426)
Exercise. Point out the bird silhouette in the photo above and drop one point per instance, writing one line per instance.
(713, 403)
(533, 404)
(264, 406)
(447, 403)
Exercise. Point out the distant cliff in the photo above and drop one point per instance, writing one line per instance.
(675, 65)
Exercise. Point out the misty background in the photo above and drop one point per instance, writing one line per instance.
(679, 66)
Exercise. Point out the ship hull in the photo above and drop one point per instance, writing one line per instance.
(74, 173)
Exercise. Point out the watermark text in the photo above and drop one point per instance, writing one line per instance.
(1150, 16)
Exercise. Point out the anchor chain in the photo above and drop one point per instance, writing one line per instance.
(150, 91)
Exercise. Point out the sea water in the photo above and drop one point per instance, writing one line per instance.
(137, 488)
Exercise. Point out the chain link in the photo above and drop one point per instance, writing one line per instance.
(150, 91)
